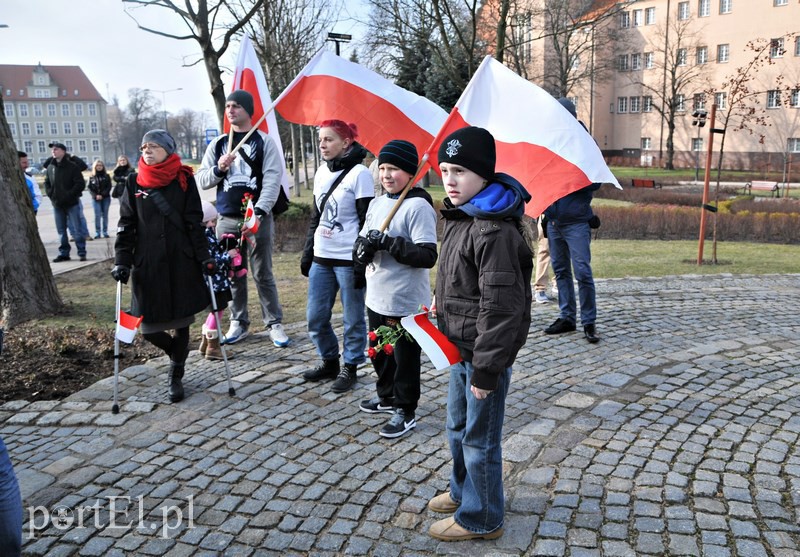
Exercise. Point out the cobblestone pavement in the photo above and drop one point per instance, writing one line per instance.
(676, 435)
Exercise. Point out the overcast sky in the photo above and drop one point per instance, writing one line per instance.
(98, 36)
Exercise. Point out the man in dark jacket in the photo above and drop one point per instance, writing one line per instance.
(569, 234)
(64, 185)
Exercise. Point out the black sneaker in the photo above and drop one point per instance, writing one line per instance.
(345, 380)
(560, 326)
(376, 406)
(328, 370)
(61, 258)
(590, 333)
(83, 258)
(399, 424)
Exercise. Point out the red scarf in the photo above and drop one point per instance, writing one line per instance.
(163, 173)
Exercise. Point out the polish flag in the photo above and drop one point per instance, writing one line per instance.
(127, 325)
(249, 76)
(251, 222)
(441, 351)
(538, 142)
(330, 87)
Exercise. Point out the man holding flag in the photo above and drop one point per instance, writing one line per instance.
(255, 169)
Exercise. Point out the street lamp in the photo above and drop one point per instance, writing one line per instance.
(164, 101)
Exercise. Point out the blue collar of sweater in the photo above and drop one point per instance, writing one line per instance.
(504, 197)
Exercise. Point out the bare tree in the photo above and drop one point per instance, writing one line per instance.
(27, 288)
(205, 21)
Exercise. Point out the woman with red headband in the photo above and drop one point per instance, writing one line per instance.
(161, 246)
(343, 189)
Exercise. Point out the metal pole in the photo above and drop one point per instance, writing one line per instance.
(706, 180)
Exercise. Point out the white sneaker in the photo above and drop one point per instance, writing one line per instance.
(235, 333)
(541, 297)
(278, 336)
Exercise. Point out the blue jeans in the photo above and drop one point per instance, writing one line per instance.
(323, 284)
(475, 432)
(570, 252)
(71, 215)
(10, 508)
(101, 216)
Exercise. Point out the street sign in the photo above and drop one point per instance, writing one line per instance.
(211, 133)
(339, 37)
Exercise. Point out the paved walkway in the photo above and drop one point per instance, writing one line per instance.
(676, 435)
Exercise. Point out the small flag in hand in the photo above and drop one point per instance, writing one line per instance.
(436, 346)
(127, 325)
(251, 222)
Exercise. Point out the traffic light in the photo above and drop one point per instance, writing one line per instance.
(699, 117)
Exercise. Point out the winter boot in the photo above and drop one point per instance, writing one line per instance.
(346, 379)
(203, 342)
(213, 349)
(176, 370)
(328, 370)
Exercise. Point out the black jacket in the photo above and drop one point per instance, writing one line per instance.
(166, 278)
(573, 208)
(100, 184)
(63, 183)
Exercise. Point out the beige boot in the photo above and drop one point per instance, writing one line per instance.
(203, 342)
(213, 350)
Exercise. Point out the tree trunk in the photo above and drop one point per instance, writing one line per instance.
(27, 288)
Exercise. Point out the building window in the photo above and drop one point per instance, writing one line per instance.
(773, 99)
(781, 2)
(723, 53)
(9, 110)
(637, 18)
(79, 109)
(93, 128)
(41, 146)
(53, 129)
(704, 8)
(95, 146)
(80, 128)
(39, 128)
(776, 48)
(624, 20)
(725, 6)
(82, 145)
(13, 127)
(64, 109)
(622, 105)
(647, 104)
(680, 103)
(697, 144)
(37, 111)
(92, 109)
(699, 101)
(28, 146)
(636, 104)
(51, 110)
(683, 11)
(702, 55)
(721, 100)
(794, 144)
(794, 98)
(25, 127)
(23, 110)
(622, 62)
(646, 144)
(649, 16)
(649, 60)
(636, 61)
(682, 57)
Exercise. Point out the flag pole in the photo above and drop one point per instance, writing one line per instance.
(405, 191)
(115, 405)
(230, 139)
(252, 130)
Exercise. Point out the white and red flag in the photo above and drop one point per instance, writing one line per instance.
(250, 222)
(538, 142)
(127, 325)
(330, 87)
(249, 75)
(436, 346)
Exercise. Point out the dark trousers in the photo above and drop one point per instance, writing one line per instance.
(398, 373)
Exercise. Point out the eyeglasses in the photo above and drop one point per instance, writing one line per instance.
(151, 146)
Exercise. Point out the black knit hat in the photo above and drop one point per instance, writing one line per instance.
(400, 153)
(473, 148)
(243, 99)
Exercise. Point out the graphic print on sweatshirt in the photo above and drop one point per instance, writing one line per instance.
(329, 216)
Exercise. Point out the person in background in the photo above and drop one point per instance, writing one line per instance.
(255, 170)
(483, 296)
(64, 185)
(540, 282)
(161, 246)
(343, 189)
(100, 188)
(398, 282)
(76, 224)
(210, 342)
(570, 236)
(33, 186)
(120, 174)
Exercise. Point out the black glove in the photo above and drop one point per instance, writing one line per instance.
(379, 240)
(121, 273)
(260, 212)
(210, 266)
(594, 222)
(305, 266)
(543, 220)
(363, 252)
